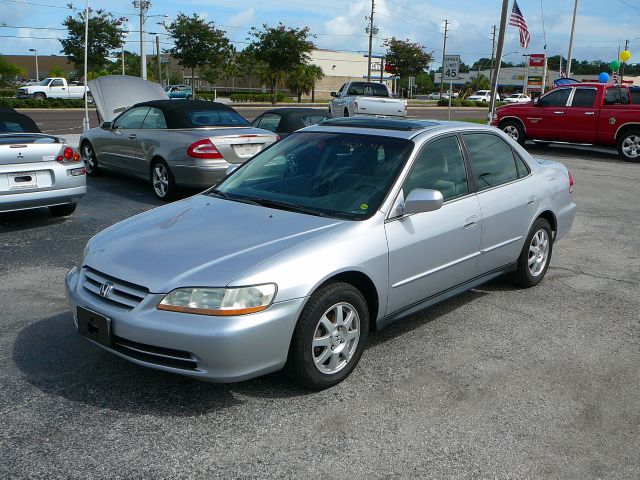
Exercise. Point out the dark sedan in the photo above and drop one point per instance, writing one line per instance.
(284, 121)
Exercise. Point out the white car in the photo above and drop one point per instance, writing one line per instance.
(366, 98)
(518, 98)
(483, 96)
(54, 87)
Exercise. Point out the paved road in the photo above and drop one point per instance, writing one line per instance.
(70, 120)
(498, 383)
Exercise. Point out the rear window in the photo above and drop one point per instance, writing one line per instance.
(368, 89)
(215, 118)
(635, 96)
(11, 127)
(616, 96)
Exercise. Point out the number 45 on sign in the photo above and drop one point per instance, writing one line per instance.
(451, 66)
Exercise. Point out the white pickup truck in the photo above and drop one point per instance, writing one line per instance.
(52, 88)
(366, 98)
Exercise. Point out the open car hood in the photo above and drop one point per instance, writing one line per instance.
(113, 94)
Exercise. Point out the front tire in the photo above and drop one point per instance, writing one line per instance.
(629, 146)
(39, 96)
(329, 338)
(535, 256)
(514, 130)
(164, 185)
(63, 210)
(89, 159)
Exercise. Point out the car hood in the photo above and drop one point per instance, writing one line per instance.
(200, 241)
(113, 94)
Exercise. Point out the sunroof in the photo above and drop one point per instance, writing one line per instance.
(380, 122)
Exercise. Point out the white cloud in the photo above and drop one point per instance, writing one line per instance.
(245, 18)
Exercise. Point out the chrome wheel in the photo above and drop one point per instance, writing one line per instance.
(160, 180)
(512, 131)
(88, 158)
(538, 252)
(336, 338)
(631, 146)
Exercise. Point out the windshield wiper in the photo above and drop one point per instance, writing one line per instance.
(266, 202)
(221, 194)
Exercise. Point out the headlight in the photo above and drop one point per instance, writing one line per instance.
(220, 301)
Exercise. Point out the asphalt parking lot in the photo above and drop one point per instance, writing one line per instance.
(499, 382)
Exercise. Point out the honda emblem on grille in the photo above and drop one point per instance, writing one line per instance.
(105, 289)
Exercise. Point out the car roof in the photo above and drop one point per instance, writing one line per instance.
(174, 110)
(407, 128)
(296, 110)
(27, 123)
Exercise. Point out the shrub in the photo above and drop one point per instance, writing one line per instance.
(481, 104)
(444, 102)
(256, 97)
(8, 92)
(468, 103)
(47, 103)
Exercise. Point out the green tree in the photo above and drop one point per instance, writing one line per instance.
(479, 82)
(302, 80)
(197, 43)
(106, 33)
(131, 65)
(9, 71)
(425, 82)
(57, 71)
(409, 58)
(282, 49)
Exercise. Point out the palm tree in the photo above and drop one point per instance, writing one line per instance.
(479, 82)
(302, 80)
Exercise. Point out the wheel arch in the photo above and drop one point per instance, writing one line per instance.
(506, 119)
(550, 217)
(624, 128)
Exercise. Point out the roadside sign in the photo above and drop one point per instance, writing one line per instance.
(451, 66)
(535, 74)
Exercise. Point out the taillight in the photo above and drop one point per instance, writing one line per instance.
(570, 183)
(68, 154)
(203, 149)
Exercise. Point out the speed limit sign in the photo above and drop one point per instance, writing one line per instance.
(451, 66)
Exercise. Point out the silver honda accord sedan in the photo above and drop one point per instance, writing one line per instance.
(341, 228)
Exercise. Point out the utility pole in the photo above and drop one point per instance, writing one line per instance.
(626, 47)
(444, 51)
(496, 75)
(370, 29)
(143, 6)
(123, 59)
(158, 59)
(85, 120)
(493, 50)
(573, 26)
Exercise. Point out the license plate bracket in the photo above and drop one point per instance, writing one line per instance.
(94, 326)
(22, 180)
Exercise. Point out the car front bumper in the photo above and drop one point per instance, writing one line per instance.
(217, 349)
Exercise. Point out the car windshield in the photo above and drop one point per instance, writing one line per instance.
(215, 118)
(342, 175)
(45, 82)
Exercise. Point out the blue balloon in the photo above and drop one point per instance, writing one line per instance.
(603, 77)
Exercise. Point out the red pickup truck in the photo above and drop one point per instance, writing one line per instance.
(586, 113)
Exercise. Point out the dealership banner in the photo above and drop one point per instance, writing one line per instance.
(535, 74)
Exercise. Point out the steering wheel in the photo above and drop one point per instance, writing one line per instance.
(292, 164)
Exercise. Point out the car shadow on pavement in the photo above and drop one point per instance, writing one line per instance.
(27, 219)
(584, 152)
(54, 358)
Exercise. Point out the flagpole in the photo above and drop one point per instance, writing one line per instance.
(494, 80)
(573, 26)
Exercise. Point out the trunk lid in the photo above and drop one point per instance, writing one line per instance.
(28, 148)
(238, 146)
(113, 94)
(380, 106)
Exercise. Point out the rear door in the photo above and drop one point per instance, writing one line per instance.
(581, 116)
(507, 195)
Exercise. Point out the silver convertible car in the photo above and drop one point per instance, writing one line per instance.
(338, 229)
(171, 143)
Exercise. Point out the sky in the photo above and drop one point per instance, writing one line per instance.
(601, 26)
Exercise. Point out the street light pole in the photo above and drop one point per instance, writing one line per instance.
(85, 121)
(36, 54)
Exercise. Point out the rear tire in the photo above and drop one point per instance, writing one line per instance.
(629, 146)
(329, 337)
(162, 181)
(535, 256)
(89, 159)
(63, 210)
(514, 130)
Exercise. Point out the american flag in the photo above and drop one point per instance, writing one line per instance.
(517, 20)
(615, 78)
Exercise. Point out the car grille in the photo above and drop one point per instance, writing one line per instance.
(167, 357)
(124, 294)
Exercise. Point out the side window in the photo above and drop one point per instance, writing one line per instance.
(555, 98)
(131, 118)
(269, 121)
(584, 97)
(635, 96)
(57, 83)
(154, 119)
(309, 120)
(521, 167)
(344, 85)
(439, 166)
(616, 96)
(491, 158)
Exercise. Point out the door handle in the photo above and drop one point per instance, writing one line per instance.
(559, 113)
(589, 113)
(531, 199)
(132, 136)
(470, 222)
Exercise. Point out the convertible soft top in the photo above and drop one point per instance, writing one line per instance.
(14, 122)
(175, 111)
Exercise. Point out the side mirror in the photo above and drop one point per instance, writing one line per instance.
(105, 125)
(334, 94)
(231, 168)
(422, 200)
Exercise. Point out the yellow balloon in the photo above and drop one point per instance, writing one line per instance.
(625, 55)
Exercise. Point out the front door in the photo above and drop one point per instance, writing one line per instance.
(124, 149)
(432, 251)
(548, 116)
(57, 89)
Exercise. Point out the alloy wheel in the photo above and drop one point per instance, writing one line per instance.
(336, 338)
(88, 158)
(512, 131)
(160, 180)
(538, 252)
(631, 146)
